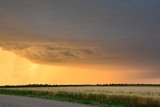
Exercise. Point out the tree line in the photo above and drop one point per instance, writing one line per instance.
(70, 85)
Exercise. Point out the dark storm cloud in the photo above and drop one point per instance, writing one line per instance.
(124, 32)
(52, 52)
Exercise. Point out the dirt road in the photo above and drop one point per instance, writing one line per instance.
(17, 101)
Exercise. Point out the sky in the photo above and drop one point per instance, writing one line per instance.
(79, 41)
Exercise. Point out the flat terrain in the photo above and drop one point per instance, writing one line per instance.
(139, 91)
(117, 96)
(17, 101)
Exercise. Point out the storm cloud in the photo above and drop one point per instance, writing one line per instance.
(51, 53)
(118, 33)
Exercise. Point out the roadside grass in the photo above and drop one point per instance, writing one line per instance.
(88, 98)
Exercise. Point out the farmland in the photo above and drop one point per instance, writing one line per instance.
(121, 96)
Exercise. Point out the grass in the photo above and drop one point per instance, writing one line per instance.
(88, 98)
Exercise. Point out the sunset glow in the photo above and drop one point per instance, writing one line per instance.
(18, 70)
(21, 71)
(79, 42)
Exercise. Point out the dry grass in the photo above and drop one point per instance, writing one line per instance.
(131, 96)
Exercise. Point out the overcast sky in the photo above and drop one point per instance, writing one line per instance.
(109, 33)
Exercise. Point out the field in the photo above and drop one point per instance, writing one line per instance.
(114, 96)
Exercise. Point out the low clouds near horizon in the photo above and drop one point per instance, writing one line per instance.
(109, 33)
(50, 53)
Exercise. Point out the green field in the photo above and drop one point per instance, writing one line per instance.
(109, 96)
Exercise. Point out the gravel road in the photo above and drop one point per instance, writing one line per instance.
(18, 101)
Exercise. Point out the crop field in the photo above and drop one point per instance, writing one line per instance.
(114, 96)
